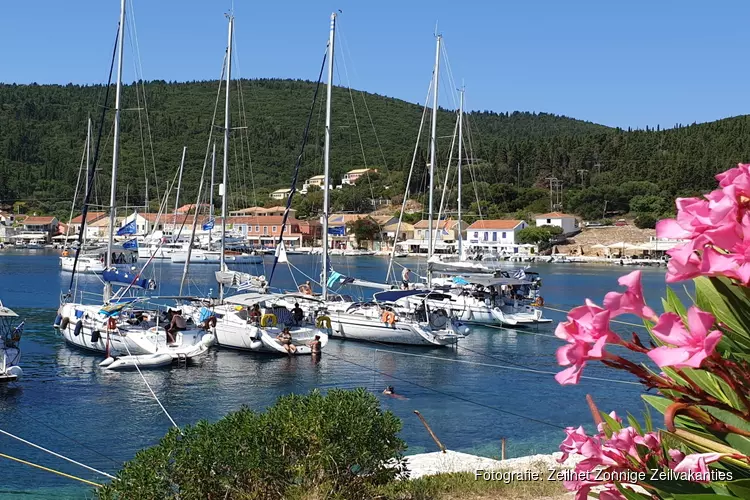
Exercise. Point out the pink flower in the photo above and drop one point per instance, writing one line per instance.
(676, 455)
(691, 346)
(739, 176)
(684, 263)
(697, 463)
(631, 301)
(650, 440)
(574, 439)
(613, 415)
(611, 494)
(624, 441)
(575, 355)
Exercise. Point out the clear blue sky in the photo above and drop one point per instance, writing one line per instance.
(625, 63)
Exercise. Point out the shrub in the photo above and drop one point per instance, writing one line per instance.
(645, 221)
(342, 442)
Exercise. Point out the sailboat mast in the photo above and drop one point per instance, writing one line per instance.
(179, 185)
(211, 202)
(223, 188)
(88, 153)
(433, 153)
(115, 151)
(460, 155)
(327, 157)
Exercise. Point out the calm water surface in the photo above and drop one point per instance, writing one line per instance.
(470, 396)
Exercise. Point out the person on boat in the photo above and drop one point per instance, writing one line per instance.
(405, 277)
(285, 339)
(255, 314)
(315, 345)
(305, 288)
(176, 324)
(297, 314)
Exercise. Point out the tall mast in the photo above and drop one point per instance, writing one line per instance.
(88, 153)
(179, 185)
(460, 154)
(211, 202)
(223, 188)
(433, 154)
(115, 151)
(327, 157)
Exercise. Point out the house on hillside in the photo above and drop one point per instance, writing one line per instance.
(495, 235)
(6, 218)
(315, 180)
(568, 223)
(262, 211)
(352, 176)
(405, 232)
(264, 230)
(342, 237)
(189, 209)
(281, 194)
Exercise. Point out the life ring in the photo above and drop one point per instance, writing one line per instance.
(323, 321)
(64, 323)
(266, 318)
(78, 328)
(538, 302)
(388, 317)
(111, 323)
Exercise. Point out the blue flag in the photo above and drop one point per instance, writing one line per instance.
(337, 230)
(130, 244)
(129, 228)
(209, 224)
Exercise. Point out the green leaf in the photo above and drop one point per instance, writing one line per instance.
(630, 494)
(612, 424)
(739, 442)
(699, 496)
(730, 306)
(674, 304)
(634, 424)
(740, 488)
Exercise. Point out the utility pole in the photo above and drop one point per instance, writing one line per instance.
(552, 185)
(582, 172)
(604, 214)
(518, 174)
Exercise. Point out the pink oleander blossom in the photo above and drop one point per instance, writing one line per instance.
(574, 439)
(624, 441)
(697, 463)
(631, 301)
(611, 493)
(650, 440)
(684, 264)
(677, 456)
(688, 346)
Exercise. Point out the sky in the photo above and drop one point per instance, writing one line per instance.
(628, 64)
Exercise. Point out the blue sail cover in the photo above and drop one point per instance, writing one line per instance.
(394, 295)
(125, 278)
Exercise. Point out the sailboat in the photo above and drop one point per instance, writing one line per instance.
(400, 317)
(10, 350)
(254, 322)
(120, 325)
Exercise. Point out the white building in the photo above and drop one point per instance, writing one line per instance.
(281, 194)
(495, 235)
(568, 223)
(315, 180)
(352, 176)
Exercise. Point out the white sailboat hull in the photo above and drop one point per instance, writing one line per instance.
(358, 327)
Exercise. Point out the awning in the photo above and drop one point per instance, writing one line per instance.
(394, 295)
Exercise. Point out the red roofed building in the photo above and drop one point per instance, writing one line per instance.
(568, 223)
(495, 234)
(91, 217)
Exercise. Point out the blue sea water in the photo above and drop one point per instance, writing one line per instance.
(471, 396)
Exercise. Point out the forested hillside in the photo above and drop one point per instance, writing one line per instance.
(43, 129)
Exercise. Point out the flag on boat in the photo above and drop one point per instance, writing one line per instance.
(280, 253)
(129, 228)
(333, 278)
(209, 223)
(337, 230)
(131, 244)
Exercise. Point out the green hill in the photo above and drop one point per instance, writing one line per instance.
(42, 132)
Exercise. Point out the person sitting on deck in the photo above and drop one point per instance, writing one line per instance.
(405, 276)
(297, 314)
(254, 316)
(305, 288)
(315, 345)
(176, 324)
(285, 339)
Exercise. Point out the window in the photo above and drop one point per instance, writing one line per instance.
(273, 229)
(257, 229)
(503, 234)
(494, 235)
(265, 229)
(549, 221)
(486, 236)
(476, 234)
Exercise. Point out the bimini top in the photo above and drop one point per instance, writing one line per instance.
(6, 312)
(252, 298)
(394, 295)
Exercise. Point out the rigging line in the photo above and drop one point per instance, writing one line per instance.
(92, 168)
(56, 454)
(529, 370)
(246, 131)
(445, 186)
(298, 163)
(145, 103)
(406, 188)
(364, 100)
(29, 416)
(139, 76)
(153, 393)
(47, 469)
(451, 80)
(78, 184)
(447, 394)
